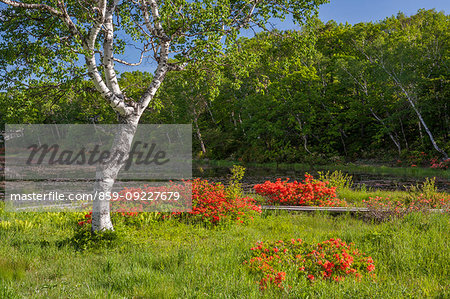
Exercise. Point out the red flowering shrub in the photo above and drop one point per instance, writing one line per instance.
(211, 203)
(424, 160)
(310, 192)
(383, 209)
(330, 260)
(416, 158)
(440, 165)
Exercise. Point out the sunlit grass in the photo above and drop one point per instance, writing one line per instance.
(183, 260)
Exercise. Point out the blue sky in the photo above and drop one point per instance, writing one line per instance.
(356, 11)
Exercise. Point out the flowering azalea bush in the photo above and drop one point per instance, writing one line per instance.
(212, 203)
(333, 260)
(440, 165)
(310, 192)
(423, 159)
(384, 208)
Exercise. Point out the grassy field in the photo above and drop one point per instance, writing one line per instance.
(43, 256)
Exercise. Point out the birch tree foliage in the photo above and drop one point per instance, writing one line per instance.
(43, 40)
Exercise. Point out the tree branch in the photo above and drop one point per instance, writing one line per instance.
(108, 60)
(160, 73)
(146, 16)
(41, 7)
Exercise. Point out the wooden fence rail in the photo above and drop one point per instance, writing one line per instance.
(328, 209)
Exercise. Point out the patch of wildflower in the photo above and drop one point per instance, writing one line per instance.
(384, 208)
(434, 163)
(309, 192)
(211, 203)
(332, 260)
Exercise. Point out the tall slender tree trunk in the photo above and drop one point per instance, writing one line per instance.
(420, 132)
(411, 99)
(199, 134)
(234, 120)
(342, 134)
(106, 174)
(299, 121)
(363, 86)
(210, 112)
(422, 121)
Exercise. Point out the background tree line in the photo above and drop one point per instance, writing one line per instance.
(327, 92)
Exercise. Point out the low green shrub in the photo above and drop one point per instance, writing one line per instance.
(85, 239)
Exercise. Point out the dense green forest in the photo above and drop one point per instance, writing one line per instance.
(328, 92)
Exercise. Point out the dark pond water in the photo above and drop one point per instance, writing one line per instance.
(260, 175)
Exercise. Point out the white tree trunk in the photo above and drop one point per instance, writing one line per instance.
(199, 134)
(107, 174)
(422, 121)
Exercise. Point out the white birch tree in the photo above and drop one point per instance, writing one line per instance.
(42, 40)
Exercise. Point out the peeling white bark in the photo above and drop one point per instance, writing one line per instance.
(108, 59)
(305, 140)
(106, 175)
(158, 78)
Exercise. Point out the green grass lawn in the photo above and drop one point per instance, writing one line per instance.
(181, 260)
